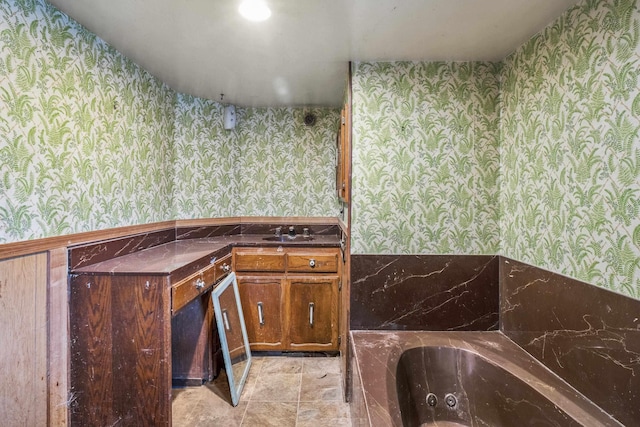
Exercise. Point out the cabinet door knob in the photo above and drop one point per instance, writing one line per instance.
(199, 284)
(312, 263)
(226, 267)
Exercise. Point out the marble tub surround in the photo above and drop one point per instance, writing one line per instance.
(424, 292)
(588, 335)
(376, 355)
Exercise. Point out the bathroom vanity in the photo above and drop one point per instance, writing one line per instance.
(141, 319)
(290, 297)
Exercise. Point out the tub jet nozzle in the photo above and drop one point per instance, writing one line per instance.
(432, 400)
(450, 400)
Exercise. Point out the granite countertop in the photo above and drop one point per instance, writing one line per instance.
(170, 257)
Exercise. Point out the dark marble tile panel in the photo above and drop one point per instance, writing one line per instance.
(271, 229)
(424, 292)
(586, 334)
(81, 256)
(206, 231)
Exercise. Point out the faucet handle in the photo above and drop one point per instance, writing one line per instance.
(278, 231)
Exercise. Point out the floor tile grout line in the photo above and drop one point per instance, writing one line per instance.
(250, 399)
(299, 391)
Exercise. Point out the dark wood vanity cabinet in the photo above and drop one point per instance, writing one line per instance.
(289, 297)
(132, 333)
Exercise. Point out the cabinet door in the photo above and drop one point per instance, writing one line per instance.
(313, 313)
(261, 298)
(120, 350)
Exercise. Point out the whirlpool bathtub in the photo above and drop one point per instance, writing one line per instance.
(403, 378)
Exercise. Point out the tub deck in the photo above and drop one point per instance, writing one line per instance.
(376, 355)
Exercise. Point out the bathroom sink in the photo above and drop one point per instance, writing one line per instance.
(286, 238)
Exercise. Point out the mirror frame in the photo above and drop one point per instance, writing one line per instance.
(235, 385)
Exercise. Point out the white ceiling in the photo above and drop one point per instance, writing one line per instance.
(300, 55)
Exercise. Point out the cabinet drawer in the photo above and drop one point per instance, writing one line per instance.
(313, 262)
(222, 267)
(259, 261)
(186, 290)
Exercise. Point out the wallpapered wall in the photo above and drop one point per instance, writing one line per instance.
(85, 134)
(571, 146)
(89, 140)
(271, 164)
(287, 168)
(425, 158)
(568, 109)
(206, 161)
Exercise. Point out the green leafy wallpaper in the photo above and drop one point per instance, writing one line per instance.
(85, 134)
(425, 158)
(206, 163)
(570, 156)
(271, 164)
(287, 168)
(543, 167)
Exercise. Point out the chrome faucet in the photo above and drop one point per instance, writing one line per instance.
(292, 231)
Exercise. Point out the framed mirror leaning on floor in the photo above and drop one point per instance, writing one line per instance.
(233, 334)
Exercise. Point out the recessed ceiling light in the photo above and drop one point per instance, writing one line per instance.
(255, 10)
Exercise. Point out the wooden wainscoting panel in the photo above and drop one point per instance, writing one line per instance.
(58, 338)
(23, 333)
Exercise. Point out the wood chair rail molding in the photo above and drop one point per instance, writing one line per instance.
(26, 247)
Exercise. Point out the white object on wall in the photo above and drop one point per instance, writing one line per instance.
(229, 117)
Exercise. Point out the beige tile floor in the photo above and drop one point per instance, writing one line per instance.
(280, 391)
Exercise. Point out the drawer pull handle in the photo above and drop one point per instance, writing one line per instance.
(226, 320)
(199, 284)
(312, 263)
(260, 314)
(226, 267)
(311, 307)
